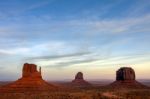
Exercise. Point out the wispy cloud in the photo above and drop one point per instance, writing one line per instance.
(71, 63)
(17, 9)
(80, 54)
(4, 52)
(94, 60)
(77, 28)
(140, 8)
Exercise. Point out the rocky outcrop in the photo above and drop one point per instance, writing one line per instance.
(125, 78)
(30, 70)
(79, 76)
(125, 73)
(31, 81)
(79, 80)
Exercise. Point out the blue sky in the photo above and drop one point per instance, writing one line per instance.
(66, 36)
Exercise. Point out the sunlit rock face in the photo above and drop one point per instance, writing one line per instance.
(125, 73)
(31, 81)
(30, 70)
(125, 78)
(79, 80)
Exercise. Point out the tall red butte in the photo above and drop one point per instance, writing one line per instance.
(31, 81)
(125, 78)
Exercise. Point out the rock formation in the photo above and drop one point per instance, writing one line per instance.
(79, 80)
(79, 76)
(30, 70)
(125, 73)
(31, 81)
(125, 77)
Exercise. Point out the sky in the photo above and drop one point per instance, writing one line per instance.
(96, 37)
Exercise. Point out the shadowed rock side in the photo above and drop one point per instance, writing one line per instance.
(125, 78)
(31, 80)
(79, 80)
(125, 74)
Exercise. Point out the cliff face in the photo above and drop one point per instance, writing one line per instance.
(30, 70)
(125, 73)
(31, 81)
(125, 77)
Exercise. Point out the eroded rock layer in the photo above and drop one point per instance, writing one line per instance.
(31, 81)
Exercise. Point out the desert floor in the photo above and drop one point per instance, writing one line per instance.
(97, 91)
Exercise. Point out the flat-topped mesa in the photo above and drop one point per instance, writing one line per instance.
(125, 78)
(30, 70)
(125, 74)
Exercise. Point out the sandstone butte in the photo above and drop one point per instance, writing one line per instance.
(125, 78)
(79, 80)
(31, 81)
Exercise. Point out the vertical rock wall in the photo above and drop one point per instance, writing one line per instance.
(125, 73)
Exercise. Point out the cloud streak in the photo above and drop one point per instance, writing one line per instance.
(96, 60)
(4, 52)
(80, 54)
(71, 63)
